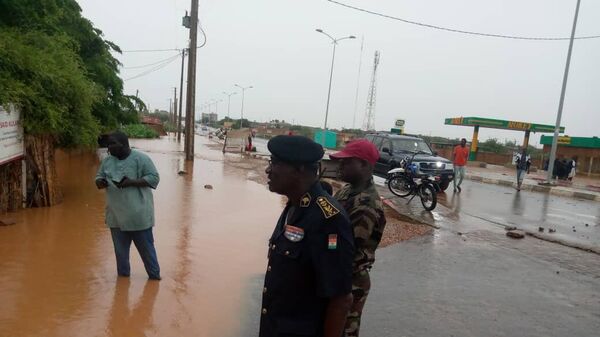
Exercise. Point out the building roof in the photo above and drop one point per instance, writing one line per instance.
(501, 124)
(586, 142)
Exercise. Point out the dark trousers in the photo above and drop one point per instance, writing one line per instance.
(144, 242)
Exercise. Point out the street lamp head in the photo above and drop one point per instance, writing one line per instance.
(319, 30)
(352, 37)
(250, 87)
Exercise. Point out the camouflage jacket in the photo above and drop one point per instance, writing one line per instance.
(365, 209)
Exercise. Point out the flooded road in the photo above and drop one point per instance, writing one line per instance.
(57, 266)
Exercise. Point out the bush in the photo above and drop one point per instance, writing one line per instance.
(139, 131)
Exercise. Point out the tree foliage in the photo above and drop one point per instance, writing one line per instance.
(57, 67)
(43, 76)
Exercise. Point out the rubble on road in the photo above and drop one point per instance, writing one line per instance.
(515, 234)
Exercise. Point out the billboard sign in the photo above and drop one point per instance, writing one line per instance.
(12, 143)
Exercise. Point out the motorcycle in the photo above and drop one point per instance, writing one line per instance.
(403, 181)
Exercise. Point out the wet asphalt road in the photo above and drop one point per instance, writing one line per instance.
(483, 206)
(476, 284)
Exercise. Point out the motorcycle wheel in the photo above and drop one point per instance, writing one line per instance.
(428, 197)
(400, 186)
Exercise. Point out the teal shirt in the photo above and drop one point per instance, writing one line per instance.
(131, 208)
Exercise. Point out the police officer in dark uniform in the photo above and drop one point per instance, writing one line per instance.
(308, 283)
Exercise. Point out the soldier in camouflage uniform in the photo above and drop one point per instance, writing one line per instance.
(363, 204)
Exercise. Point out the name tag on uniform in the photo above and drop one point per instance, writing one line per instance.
(294, 234)
(332, 241)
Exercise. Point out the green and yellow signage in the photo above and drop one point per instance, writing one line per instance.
(501, 124)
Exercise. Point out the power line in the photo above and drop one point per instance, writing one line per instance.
(151, 64)
(461, 31)
(205, 37)
(156, 68)
(164, 50)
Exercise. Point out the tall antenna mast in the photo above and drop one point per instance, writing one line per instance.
(369, 122)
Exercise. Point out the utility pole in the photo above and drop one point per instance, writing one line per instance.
(180, 96)
(170, 110)
(191, 85)
(174, 106)
(562, 99)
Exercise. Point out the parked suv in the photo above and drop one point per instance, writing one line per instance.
(393, 148)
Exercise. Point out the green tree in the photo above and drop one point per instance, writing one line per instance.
(62, 19)
(42, 75)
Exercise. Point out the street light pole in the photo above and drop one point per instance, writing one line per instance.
(229, 100)
(562, 99)
(216, 102)
(243, 95)
(335, 42)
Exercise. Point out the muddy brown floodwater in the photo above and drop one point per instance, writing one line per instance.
(57, 266)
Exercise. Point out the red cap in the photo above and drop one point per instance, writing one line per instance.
(361, 149)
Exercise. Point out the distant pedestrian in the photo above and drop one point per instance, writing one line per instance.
(365, 208)
(523, 163)
(460, 155)
(308, 283)
(573, 168)
(129, 177)
(249, 146)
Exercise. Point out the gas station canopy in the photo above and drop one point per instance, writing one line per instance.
(477, 122)
(501, 124)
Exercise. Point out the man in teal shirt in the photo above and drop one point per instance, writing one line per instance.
(129, 177)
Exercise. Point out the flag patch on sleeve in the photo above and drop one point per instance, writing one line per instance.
(332, 241)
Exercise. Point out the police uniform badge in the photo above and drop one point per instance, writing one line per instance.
(293, 233)
(327, 207)
(305, 201)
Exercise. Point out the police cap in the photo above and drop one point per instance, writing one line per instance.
(295, 149)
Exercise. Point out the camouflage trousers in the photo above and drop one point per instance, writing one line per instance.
(361, 284)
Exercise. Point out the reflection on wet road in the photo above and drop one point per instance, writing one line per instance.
(58, 274)
(574, 220)
(492, 207)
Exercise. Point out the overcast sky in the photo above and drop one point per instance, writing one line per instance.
(424, 76)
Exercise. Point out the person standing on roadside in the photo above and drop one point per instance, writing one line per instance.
(460, 155)
(573, 168)
(523, 164)
(129, 177)
(365, 208)
(308, 284)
